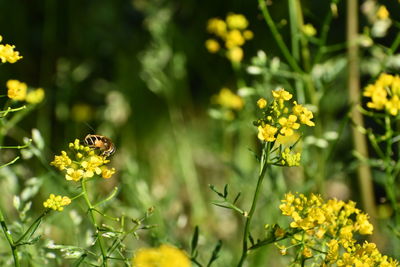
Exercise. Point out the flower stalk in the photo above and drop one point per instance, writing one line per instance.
(99, 238)
(246, 233)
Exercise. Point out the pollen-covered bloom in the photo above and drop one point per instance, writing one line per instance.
(163, 256)
(330, 227)
(8, 54)
(82, 162)
(56, 203)
(384, 94)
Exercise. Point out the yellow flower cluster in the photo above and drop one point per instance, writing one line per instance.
(232, 31)
(56, 203)
(7, 53)
(330, 227)
(290, 159)
(164, 256)
(19, 91)
(384, 94)
(85, 163)
(281, 118)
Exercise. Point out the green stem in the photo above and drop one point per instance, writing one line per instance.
(34, 224)
(9, 240)
(99, 238)
(263, 169)
(278, 38)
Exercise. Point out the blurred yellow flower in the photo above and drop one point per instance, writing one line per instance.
(262, 103)
(235, 54)
(309, 30)
(236, 21)
(212, 46)
(7, 53)
(384, 94)
(35, 96)
(217, 26)
(248, 35)
(106, 173)
(382, 12)
(56, 203)
(234, 38)
(226, 98)
(16, 90)
(163, 256)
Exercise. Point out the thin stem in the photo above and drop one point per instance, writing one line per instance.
(263, 169)
(34, 224)
(99, 238)
(9, 240)
(278, 38)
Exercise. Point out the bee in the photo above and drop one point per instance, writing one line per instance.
(103, 143)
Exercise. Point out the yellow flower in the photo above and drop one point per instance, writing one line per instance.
(212, 46)
(235, 54)
(267, 133)
(234, 38)
(7, 53)
(282, 94)
(86, 162)
(304, 114)
(164, 256)
(237, 21)
(363, 225)
(107, 173)
(226, 98)
(309, 30)
(393, 105)
(92, 165)
(262, 103)
(248, 35)
(61, 162)
(288, 125)
(382, 13)
(290, 159)
(16, 90)
(74, 175)
(217, 26)
(307, 252)
(35, 96)
(56, 202)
